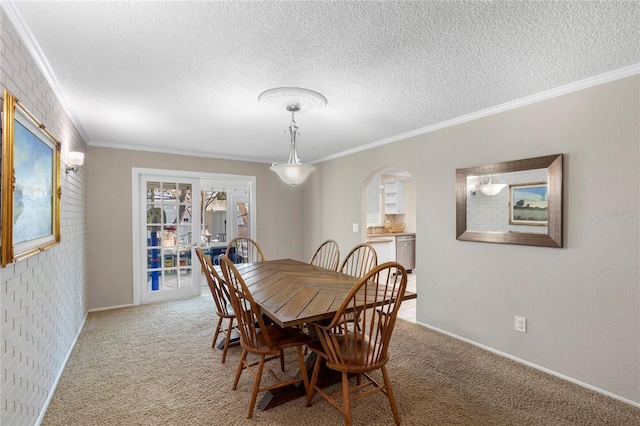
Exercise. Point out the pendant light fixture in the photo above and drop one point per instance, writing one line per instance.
(491, 188)
(292, 100)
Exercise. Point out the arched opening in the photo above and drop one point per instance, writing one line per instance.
(389, 215)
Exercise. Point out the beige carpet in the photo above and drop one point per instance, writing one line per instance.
(153, 365)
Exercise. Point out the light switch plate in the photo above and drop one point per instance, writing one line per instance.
(355, 227)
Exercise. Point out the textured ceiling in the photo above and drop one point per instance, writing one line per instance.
(187, 75)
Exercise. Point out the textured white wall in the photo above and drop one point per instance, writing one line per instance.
(43, 297)
(582, 302)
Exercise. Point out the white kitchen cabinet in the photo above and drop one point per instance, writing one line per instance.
(394, 196)
(385, 248)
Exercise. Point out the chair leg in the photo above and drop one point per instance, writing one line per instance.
(281, 359)
(256, 387)
(303, 370)
(215, 336)
(227, 340)
(392, 399)
(314, 380)
(346, 401)
(243, 357)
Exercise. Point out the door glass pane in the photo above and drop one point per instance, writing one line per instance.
(213, 229)
(169, 191)
(170, 213)
(169, 235)
(242, 211)
(153, 191)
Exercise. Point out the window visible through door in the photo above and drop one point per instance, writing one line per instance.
(226, 214)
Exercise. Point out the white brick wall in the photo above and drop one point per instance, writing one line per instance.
(491, 213)
(42, 298)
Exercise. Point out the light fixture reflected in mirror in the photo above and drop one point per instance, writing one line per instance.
(75, 159)
(293, 100)
(491, 188)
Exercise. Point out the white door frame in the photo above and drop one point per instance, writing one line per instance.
(136, 173)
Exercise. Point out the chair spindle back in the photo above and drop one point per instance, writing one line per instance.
(327, 255)
(244, 250)
(360, 260)
(217, 287)
(364, 347)
(247, 311)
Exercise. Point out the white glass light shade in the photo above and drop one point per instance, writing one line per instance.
(293, 174)
(491, 188)
(75, 158)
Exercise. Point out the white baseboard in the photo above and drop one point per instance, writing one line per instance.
(108, 308)
(64, 364)
(537, 367)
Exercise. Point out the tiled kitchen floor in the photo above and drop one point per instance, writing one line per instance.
(408, 308)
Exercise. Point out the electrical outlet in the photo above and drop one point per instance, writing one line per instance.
(355, 227)
(521, 324)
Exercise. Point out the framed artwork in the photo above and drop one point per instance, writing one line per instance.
(529, 204)
(30, 184)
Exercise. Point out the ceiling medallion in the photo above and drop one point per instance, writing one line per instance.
(278, 99)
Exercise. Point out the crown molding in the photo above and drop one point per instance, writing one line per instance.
(538, 97)
(12, 11)
(176, 151)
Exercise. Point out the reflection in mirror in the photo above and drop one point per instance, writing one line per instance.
(526, 210)
(495, 213)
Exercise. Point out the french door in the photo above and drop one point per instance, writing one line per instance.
(169, 230)
(175, 211)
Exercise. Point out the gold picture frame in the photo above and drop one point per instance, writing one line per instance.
(31, 190)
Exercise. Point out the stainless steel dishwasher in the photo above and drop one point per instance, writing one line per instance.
(406, 251)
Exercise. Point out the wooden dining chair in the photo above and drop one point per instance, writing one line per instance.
(224, 310)
(257, 338)
(327, 255)
(366, 348)
(360, 260)
(244, 250)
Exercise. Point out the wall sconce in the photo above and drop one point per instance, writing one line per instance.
(76, 159)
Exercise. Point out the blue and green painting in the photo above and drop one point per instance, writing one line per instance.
(33, 194)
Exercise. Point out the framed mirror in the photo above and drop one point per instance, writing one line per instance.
(514, 202)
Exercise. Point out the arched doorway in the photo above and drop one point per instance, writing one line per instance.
(389, 212)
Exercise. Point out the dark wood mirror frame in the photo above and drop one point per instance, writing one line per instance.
(553, 238)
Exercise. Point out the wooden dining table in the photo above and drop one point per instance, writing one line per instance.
(293, 293)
